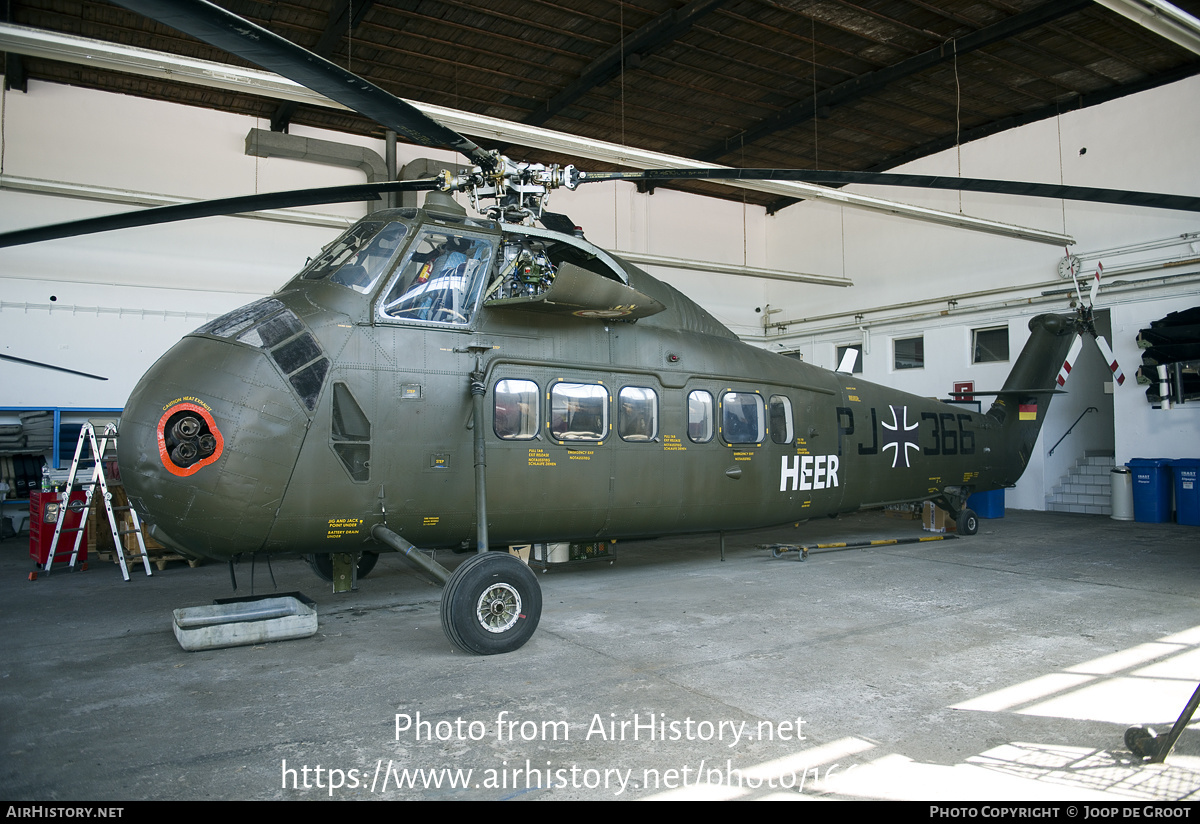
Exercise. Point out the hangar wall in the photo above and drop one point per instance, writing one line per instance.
(110, 304)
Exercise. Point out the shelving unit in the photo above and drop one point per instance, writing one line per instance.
(67, 421)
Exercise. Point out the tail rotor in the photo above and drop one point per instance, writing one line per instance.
(1085, 322)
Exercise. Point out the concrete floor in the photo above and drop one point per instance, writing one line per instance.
(1002, 666)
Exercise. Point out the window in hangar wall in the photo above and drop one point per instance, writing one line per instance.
(909, 353)
(858, 362)
(989, 345)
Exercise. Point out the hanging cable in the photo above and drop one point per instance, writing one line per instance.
(816, 146)
(957, 119)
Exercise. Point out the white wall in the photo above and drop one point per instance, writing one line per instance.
(109, 304)
(1140, 142)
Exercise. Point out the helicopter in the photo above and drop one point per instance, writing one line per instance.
(435, 378)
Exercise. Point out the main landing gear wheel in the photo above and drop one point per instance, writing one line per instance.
(322, 564)
(491, 604)
(968, 522)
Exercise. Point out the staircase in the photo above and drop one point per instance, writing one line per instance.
(1086, 488)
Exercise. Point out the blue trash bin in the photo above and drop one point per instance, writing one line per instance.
(1187, 490)
(988, 504)
(1151, 490)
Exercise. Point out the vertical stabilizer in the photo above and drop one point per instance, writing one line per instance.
(1022, 404)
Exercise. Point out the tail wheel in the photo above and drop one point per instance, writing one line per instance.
(968, 522)
(491, 604)
(1142, 741)
(322, 565)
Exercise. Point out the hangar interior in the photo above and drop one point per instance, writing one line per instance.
(1054, 92)
(1065, 92)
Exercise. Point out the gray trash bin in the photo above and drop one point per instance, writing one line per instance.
(1122, 493)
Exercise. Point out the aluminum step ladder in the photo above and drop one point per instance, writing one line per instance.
(101, 451)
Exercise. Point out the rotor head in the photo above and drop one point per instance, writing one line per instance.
(518, 190)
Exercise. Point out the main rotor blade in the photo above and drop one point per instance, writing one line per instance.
(1152, 200)
(263, 48)
(41, 365)
(214, 208)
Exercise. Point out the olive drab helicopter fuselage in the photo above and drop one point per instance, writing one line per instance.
(613, 407)
(434, 378)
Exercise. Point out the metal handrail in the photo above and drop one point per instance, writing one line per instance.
(1068, 432)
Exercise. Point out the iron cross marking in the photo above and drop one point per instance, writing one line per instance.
(896, 434)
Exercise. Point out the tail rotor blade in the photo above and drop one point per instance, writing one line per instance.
(1111, 360)
(1095, 283)
(1074, 278)
(1068, 364)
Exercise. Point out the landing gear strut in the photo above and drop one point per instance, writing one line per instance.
(1145, 743)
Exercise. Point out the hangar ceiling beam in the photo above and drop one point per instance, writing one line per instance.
(805, 110)
(97, 53)
(14, 68)
(659, 32)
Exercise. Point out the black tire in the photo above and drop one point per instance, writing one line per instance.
(968, 522)
(491, 604)
(322, 565)
(1141, 741)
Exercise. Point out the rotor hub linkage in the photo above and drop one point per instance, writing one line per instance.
(519, 190)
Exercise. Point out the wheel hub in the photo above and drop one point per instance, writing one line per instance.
(499, 608)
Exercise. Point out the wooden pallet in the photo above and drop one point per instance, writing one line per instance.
(100, 541)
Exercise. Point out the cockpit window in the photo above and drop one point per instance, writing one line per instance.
(358, 258)
(440, 278)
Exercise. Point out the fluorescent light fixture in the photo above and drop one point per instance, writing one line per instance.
(1164, 19)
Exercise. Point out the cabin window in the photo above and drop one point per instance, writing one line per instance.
(909, 352)
(743, 418)
(578, 412)
(989, 345)
(637, 414)
(359, 257)
(439, 279)
(781, 419)
(700, 416)
(515, 412)
(841, 353)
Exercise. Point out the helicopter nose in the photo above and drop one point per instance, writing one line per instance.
(209, 439)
